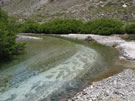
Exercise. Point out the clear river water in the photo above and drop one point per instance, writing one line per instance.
(55, 68)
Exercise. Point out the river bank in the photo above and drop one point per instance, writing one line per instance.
(126, 49)
(119, 87)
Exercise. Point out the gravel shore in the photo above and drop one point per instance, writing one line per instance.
(120, 87)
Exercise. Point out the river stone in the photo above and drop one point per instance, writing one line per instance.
(88, 39)
(115, 88)
(3, 83)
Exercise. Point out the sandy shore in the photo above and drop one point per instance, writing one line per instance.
(120, 87)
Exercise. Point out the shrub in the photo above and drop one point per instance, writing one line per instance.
(129, 37)
(130, 29)
(103, 26)
(65, 26)
(8, 45)
(3, 16)
(29, 27)
(61, 26)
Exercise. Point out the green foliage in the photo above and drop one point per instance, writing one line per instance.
(60, 26)
(103, 27)
(29, 27)
(8, 45)
(3, 16)
(129, 37)
(66, 26)
(130, 29)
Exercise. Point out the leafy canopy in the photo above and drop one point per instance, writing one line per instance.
(8, 44)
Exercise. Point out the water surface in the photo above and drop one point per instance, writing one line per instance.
(54, 68)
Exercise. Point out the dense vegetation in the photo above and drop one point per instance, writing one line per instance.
(28, 27)
(61, 26)
(130, 29)
(103, 27)
(129, 37)
(8, 45)
(65, 26)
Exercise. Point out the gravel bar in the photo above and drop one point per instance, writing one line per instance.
(120, 87)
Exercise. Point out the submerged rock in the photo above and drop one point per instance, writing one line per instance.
(88, 39)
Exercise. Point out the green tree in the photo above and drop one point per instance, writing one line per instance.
(8, 45)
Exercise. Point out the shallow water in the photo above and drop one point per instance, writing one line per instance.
(54, 69)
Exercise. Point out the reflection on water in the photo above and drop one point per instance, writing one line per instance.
(55, 68)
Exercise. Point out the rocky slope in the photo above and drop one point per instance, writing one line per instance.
(42, 10)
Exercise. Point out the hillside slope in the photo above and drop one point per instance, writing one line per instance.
(42, 10)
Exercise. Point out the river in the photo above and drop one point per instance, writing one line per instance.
(55, 68)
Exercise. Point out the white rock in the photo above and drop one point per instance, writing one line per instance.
(128, 49)
(22, 37)
(124, 5)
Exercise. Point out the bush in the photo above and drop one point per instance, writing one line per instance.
(3, 16)
(130, 29)
(29, 27)
(129, 37)
(60, 26)
(103, 27)
(65, 26)
(8, 45)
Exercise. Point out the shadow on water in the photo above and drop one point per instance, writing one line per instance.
(43, 55)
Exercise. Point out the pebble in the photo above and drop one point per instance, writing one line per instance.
(120, 87)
